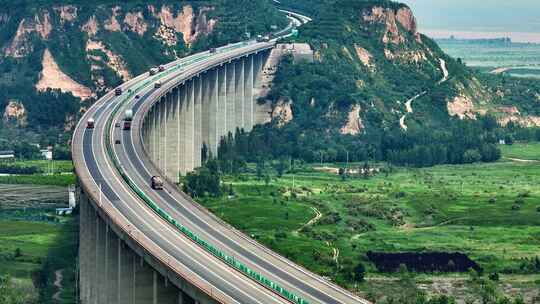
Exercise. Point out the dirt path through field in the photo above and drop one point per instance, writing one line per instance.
(59, 277)
(519, 160)
(314, 220)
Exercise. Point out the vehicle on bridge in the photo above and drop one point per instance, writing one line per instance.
(157, 85)
(212, 50)
(161, 68)
(128, 117)
(156, 182)
(118, 91)
(261, 38)
(153, 71)
(90, 123)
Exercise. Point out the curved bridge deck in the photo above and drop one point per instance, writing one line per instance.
(132, 254)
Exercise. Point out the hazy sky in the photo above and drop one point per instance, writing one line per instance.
(477, 15)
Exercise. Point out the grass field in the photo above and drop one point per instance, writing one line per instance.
(31, 251)
(57, 166)
(525, 151)
(39, 179)
(62, 173)
(32, 238)
(491, 212)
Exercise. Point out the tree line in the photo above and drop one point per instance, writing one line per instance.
(463, 141)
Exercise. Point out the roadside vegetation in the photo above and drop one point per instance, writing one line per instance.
(37, 172)
(36, 246)
(478, 224)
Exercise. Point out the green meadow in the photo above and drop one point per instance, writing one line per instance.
(490, 212)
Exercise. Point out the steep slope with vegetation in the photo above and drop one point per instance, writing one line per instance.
(57, 57)
(379, 89)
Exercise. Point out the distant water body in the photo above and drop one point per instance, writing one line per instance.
(522, 37)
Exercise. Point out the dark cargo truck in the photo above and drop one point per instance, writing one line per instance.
(156, 183)
(118, 91)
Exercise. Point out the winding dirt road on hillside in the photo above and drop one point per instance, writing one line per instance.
(408, 103)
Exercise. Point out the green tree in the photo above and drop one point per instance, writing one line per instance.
(359, 273)
(280, 166)
(471, 156)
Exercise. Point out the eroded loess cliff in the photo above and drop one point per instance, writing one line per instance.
(87, 49)
(373, 60)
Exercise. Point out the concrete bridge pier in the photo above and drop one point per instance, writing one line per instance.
(172, 134)
(112, 273)
(189, 141)
(204, 109)
(197, 117)
(213, 111)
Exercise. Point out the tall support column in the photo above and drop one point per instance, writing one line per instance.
(205, 115)
(112, 266)
(125, 273)
(144, 283)
(144, 134)
(146, 129)
(101, 259)
(166, 142)
(173, 136)
(166, 292)
(198, 91)
(239, 93)
(222, 102)
(190, 126)
(150, 134)
(248, 93)
(258, 66)
(163, 135)
(183, 129)
(179, 123)
(92, 257)
(83, 250)
(213, 112)
(231, 97)
(155, 134)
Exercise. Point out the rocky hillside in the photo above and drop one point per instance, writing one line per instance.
(388, 74)
(380, 90)
(55, 54)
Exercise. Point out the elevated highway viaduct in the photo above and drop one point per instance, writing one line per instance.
(140, 245)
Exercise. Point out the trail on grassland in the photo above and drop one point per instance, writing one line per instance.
(313, 221)
(59, 277)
